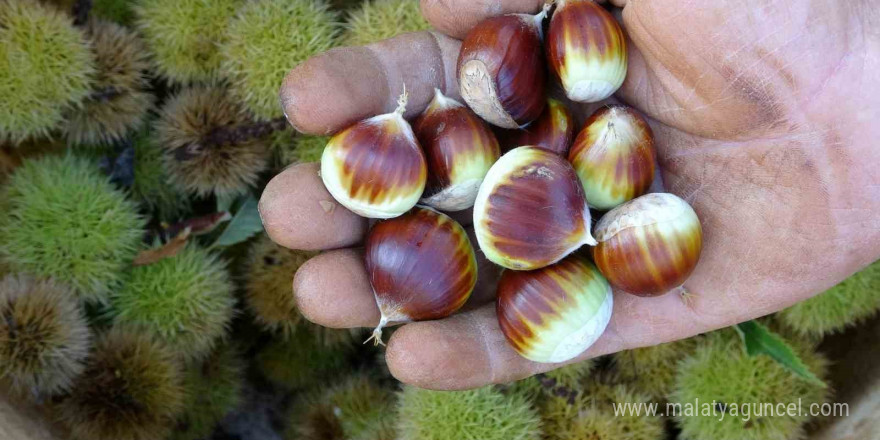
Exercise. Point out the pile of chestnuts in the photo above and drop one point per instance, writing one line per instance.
(531, 205)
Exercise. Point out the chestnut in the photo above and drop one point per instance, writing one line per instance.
(614, 156)
(586, 50)
(421, 266)
(555, 313)
(459, 148)
(530, 211)
(552, 131)
(376, 168)
(501, 73)
(649, 245)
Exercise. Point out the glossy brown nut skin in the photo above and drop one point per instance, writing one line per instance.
(375, 168)
(586, 50)
(459, 148)
(552, 131)
(649, 245)
(531, 211)
(421, 266)
(614, 156)
(555, 313)
(501, 70)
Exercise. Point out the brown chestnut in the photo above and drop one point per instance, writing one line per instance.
(421, 266)
(552, 131)
(649, 245)
(459, 148)
(501, 73)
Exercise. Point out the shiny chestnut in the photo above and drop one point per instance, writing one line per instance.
(552, 131)
(376, 168)
(614, 156)
(649, 245)
(586, 50)
(421, 266)
(459, 148)
(555, 313)
(501, 73)
(530, 211)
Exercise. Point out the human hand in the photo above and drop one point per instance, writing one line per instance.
(764, 117)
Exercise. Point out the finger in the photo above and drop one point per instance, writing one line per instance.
(333, 289)
(456, 18)
(468, 350)
(299, 213)
(337, 88)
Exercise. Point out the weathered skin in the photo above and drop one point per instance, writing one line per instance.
(765, 116)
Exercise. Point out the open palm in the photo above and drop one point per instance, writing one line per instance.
(764, 115)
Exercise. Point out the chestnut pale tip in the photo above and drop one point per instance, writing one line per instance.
(586, 50)
(555, 313)
(531, 211)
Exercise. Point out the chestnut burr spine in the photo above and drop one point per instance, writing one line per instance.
(421, 266)
(552, 131)
(649, 245)
(614, 156)
(501, 69)
(376, 167)
(459, 148)
(586, 50)
(555, 313)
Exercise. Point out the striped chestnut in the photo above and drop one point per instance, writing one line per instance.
(421, 266)
(501, 72)
(649, 245)
(552, 131)
(555, 313)
(376, 168)
(459, 148)
(614, 156)
(586, 50)
(530, 211)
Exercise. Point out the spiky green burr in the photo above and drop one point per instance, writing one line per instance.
(303, 360)
(198, 131)
(482, 413)
(267, 39)
(723, 377)
(185, 301)
(591, 415)
(119, 100)
(44, 336)
(152, 186)
(47, 69)
(852, 301)
(377, 20)
(130, 390)
(213, 389)
(184, 35)
(269, 293)
(64, 219)
(651, 370)
(356, 409)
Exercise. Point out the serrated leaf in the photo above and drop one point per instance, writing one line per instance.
(244, 224)
(758, 340)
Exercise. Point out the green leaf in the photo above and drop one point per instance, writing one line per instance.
(244, 224)
(758, 339)
(224, 203)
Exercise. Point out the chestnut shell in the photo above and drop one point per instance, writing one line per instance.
(421, 266)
